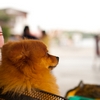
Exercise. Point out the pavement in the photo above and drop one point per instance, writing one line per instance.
(75, 64)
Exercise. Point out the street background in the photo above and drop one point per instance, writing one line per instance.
(76, 63)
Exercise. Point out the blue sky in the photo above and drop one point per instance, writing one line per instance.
(60, 14)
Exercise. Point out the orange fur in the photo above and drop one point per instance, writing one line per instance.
(26, 65)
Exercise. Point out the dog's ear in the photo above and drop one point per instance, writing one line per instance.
(19, 53)
(81, 84)
(14, 52)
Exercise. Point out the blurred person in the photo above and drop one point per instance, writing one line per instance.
(97, 38)
(96, 62)
(1, 38)
(27, 34)
(45, 38)
(1, 41)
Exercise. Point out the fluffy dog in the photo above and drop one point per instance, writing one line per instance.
(27, 65)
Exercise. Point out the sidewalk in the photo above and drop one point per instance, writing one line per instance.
(75, 65)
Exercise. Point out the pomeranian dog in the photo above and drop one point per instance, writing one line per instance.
(26, 65)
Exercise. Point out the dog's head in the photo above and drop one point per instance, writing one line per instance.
(28, 54)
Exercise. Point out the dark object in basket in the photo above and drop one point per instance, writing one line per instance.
(85, 90)
(36, 94)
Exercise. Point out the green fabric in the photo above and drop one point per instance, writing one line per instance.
(79, 98)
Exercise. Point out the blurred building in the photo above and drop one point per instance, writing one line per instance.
(17, 22)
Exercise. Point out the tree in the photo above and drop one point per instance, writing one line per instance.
(5, 24)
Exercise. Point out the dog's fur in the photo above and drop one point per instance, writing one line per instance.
(26, 65)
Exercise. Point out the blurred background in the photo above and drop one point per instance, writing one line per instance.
(72, 27)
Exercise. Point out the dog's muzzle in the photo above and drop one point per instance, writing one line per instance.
(57, 58)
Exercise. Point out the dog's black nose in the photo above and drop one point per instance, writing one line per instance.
(57, 58)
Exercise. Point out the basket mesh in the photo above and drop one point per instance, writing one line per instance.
(35, 94)
(42, 95)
